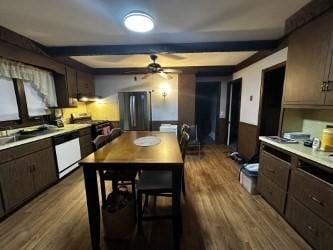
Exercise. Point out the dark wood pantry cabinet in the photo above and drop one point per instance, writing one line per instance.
(309, 63)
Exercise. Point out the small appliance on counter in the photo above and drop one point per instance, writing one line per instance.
(327, 140)
(296, 136)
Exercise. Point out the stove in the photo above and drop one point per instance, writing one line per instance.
(96, 125)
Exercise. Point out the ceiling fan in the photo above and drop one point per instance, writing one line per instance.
(155, 68)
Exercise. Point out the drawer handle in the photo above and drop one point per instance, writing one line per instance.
(316, 200)
(310, 228)
(271, 170)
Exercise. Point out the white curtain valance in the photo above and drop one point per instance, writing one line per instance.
(41, 80)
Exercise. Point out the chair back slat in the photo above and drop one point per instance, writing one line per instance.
(183, 143)
(100, 141)
(116, 132)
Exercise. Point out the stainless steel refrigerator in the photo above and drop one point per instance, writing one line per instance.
(135, 110)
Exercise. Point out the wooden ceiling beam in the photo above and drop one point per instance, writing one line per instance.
(90, 50)
(225, 70)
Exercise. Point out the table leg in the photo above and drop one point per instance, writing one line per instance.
(90, 180)
(176, 210)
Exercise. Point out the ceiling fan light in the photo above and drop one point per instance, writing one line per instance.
(139, 22)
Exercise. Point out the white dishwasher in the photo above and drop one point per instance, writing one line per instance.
(68, 152)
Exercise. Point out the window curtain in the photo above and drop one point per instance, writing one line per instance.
(41, 80)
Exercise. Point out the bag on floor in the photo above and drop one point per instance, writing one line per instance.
(118, 215)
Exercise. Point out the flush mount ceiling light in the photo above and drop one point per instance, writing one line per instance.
(139, 22)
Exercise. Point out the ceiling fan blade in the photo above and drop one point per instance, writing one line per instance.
(172, 71)
(166, 76)
(146, 76)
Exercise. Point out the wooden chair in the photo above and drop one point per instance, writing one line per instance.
(194, 140)
(156, 183)
(124, 177)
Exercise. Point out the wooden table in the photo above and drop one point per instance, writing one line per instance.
(122, 154)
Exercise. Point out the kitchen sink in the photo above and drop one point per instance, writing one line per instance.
(7, 139)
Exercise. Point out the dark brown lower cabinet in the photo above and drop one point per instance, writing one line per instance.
(272, 193)
(44, 169)
(17, 183)
(316, 231)
(2, 210)
(26, 176)
(85, 142)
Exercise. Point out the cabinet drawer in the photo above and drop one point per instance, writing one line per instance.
(317, 232)
(86, 150)
(314, 193)
(25, 149)
(272, 193)
(275, 169)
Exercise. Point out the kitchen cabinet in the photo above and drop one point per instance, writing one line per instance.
(316, 231)
(309, 58)
(273, 176)
(303, 195)
(2, 210)
(85, 142)
(25, 171)
(66, 88)
(329, 84)
(85, 84)
(71, 80)
(45, 172)
(17, 183)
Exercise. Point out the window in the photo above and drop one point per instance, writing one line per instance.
(35, 102)
(8, 105)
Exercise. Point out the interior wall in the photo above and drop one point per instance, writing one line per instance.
(186, 98)
(108, 86)
(251, 85)
(81, 108)
(311, 121)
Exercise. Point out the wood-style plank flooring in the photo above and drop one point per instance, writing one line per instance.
(217, 214)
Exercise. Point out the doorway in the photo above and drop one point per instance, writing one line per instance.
(207, 109)
(233, 109)
(271, 100)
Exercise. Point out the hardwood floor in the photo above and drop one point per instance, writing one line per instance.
(217, 214)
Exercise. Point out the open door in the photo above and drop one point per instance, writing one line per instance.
(234, 105)
(271, 100)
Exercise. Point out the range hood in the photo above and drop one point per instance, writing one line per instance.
(89, 98)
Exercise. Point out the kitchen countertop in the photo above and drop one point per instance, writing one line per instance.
(67, 128)
(302, 151)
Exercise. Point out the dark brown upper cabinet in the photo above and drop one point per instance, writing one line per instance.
(309, 64)
(66, 88)
(85, 84)
(71, 79)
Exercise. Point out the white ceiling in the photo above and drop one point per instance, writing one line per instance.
(87, 22)
(166, 60)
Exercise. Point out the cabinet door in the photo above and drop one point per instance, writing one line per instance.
(308, 51)
(44, 171)
(2, 209)
(329, 90)
(85, 83)
(16, 181)
(71, 80)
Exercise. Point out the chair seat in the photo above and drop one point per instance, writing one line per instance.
(158, 181)
(124, 175)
